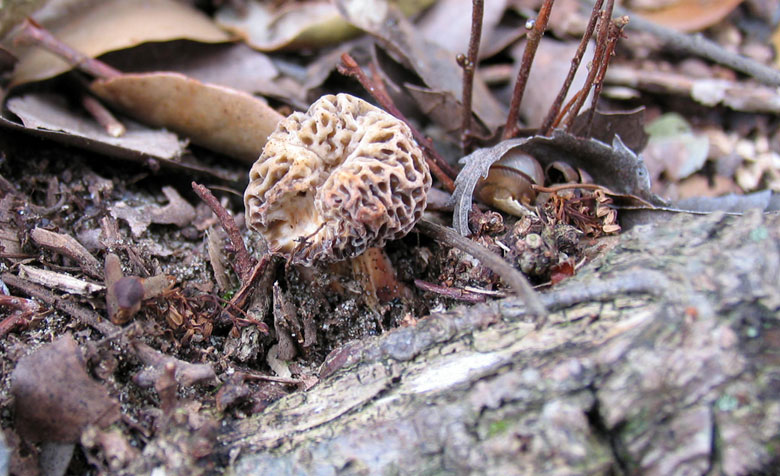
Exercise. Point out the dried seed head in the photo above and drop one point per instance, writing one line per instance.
(335, 180)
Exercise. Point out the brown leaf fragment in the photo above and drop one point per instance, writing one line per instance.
(222, 119)
(286, 325)
(54, 397)
(186, 374)
(70, 247)
(50, 116)
(177, 212)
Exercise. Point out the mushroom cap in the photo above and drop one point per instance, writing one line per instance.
(341, 177)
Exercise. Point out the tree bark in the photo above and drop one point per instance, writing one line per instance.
(662, 356)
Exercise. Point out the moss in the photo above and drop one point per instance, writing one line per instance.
(497, 428)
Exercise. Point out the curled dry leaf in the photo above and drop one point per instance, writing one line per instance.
(220, 118)
(114, 25)
(689, 15)
(614, 166)
(268, 27)
(70, 247)
(54, 397)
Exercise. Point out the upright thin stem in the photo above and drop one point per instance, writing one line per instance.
(601, 46)
(552, 114)
(469, 65)
(615, 31)
(532, 44)
(244, 262)
(439, 167)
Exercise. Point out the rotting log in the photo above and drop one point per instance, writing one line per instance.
(662, 357)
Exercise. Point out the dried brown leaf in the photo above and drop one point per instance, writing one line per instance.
(690, 15)
(50, 113)
(54, 397)
(220, 118)
(114, 25)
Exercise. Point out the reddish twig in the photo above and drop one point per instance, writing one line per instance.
(452, 293)
(469, 65)
(601, 46)
(32, 33)
(613, 35)
(244, 262)
(103, 116)
(439, 167)
(555, 108)
(534, 37)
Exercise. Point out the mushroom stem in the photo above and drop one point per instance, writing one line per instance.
(375, 271)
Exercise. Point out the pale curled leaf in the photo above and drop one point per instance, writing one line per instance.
(114, 25)
(614, 166)
(475, 166)
(268, 28)
(223, 119)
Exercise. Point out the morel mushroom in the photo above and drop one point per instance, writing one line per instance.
(335, 180)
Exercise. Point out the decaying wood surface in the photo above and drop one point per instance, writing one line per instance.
(662, 357)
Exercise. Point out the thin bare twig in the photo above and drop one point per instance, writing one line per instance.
(555, 108)
(449, 292)
(244, 262)
(613, 35)
(439, 167)
(514, 278)
(534, 37)
(469, 65)
(699, 46)
(601, 46)
(83, 314)
(32, 33)
(103, 116)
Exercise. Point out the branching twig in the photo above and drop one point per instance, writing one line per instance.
(469, 65)
(244, 262)
(534, 37)
(613, 35)
(439, 167)
(555, 108)
(598, 58)
(514, 278)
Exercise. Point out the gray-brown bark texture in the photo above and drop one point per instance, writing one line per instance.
(662, 357)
